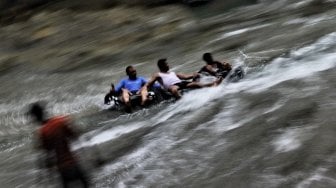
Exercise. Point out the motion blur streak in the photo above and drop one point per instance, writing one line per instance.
(274, 128)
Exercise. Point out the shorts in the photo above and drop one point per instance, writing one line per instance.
(134, 92)
(182, 85)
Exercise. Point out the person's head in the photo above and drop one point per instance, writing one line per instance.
(163, 65)
(37, 112)
(207, 57)
(131, 72)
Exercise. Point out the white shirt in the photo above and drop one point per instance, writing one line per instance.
(169, 79)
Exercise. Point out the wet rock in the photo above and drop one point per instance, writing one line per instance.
(66, 40)
(7, 63)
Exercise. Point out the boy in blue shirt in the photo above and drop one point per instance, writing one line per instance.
(132, 85)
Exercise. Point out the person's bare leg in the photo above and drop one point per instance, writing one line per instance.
(144, 95)
(126, 98)
(199, 85)
(174, 90)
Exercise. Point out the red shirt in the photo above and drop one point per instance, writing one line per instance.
(55, 135)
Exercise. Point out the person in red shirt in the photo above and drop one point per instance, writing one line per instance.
(54, 138)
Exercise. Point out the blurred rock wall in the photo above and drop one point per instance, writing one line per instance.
(87, 4)
(18, 10)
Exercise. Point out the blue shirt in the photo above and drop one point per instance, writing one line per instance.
(131, 85)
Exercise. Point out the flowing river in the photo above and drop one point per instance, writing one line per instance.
(274, 128)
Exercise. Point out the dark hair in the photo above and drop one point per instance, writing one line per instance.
(37, 110)
(128, 68)
(207, 57)
(162, 64)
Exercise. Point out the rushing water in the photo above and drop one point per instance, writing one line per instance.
(274, 128)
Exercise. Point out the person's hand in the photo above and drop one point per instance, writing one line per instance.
(112, 90)
(196, 75)
(227, 66)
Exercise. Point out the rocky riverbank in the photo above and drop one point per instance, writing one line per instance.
(64, 40)
(21, 10)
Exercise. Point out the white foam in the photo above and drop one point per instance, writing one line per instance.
(110, 134)
(283, 69)
(319, 46)
(189, 102)
(287, 141)
(300, 4)
(275, 106)
(238, 32)
(142, 155)
(295, 21)
(317, 176)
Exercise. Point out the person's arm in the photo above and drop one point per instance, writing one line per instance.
(119, 86)
(210, 70)
(151, 81)
(112, 90)
(223, 66)
(69, 130)
(143, 81)
(110, 94)
(227, 66)
(187, 76)
(143, 84)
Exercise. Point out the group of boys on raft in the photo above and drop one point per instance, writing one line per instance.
(170, 81)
